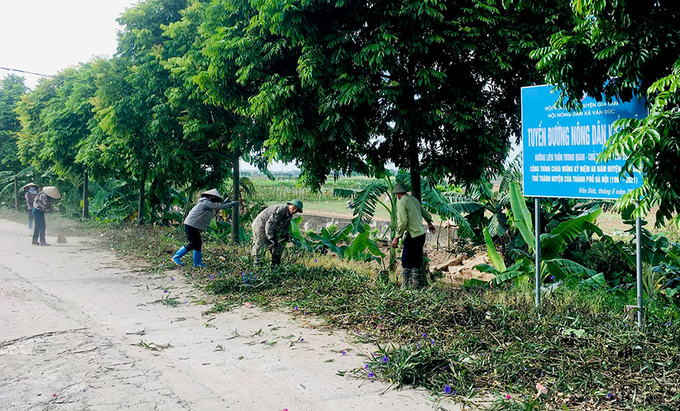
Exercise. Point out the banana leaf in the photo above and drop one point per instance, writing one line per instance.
(521, 216)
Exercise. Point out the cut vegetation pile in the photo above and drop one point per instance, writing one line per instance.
(580, 345)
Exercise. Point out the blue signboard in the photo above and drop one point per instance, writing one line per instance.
(561, 146)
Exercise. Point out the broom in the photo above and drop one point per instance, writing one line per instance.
(61, 239)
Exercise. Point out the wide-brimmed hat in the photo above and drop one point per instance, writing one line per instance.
(52, 192)
(31, 184)
(297, 203)
(399, 188)
(213, 192)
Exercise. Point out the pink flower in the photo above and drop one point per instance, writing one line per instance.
(507, 397)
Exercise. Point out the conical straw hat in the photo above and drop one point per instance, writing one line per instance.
(31, 184)
(52, 192)
(213, 192)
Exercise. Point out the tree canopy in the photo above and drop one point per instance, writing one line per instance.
(12, 88)
(620, 50)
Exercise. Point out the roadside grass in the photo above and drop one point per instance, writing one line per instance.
(457, 342)
(454, 342)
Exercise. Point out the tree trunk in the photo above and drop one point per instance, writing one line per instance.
(235, 195)
(16, 194)
(140, 204)
(86, 203)
(414, 167)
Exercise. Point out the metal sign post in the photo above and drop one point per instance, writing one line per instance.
(638, 263)
(537, 233)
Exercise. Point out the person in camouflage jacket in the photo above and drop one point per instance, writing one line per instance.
(270, 230)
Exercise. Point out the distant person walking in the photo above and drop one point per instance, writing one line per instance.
(270, 230)
(30, 191)
(198, 220)
(410, 214)
(43, 204)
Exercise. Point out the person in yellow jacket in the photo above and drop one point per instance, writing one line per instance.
(410, 214)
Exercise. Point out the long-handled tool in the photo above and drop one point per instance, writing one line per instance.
(61, 239)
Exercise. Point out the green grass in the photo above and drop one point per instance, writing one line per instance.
(579, 344)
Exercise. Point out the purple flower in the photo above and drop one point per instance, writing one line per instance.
(172, 278)
(315, 260)
(668, 324)
(447, 389)
(370, 374)
(552, 277)
(385, 359)
(432, 342)
(423, 335)
(296, 308)
(366, 366)
(418, 345)
(165, 291)
(610, 395)
(343, 352)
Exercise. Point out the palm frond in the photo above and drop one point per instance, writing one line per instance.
(365, 203)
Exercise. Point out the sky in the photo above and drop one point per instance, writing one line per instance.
(47, 36)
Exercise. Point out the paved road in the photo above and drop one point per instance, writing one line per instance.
(82, 330)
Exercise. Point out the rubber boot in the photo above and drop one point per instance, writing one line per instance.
(198, 259)
(406, 277)
(418, 279)
(178, 255)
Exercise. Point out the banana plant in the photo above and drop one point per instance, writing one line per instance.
(552, 244)
(343, 243)
(452, 206)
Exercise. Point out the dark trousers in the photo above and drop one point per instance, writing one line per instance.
(194, 238)
(39, 230)
(30, 218)
(412, 257)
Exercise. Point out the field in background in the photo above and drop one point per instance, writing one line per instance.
(332, 199)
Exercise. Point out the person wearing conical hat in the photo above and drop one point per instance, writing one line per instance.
(30, 191)
(198, 220)
(270, 230)
(410, 214)
(43, 204)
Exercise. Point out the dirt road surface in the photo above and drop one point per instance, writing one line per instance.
(82, 330)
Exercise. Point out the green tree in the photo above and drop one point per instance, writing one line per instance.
(12, 88)
(132, 135)
(57, 116)
(431, 86)
(620, 50)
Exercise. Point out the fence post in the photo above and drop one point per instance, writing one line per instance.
(16, 194)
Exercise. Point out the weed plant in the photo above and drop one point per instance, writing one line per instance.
(460, 342)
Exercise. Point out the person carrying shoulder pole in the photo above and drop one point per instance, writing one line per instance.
(410, 214)
(270, 230)
(198, 219)
(43, 204)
